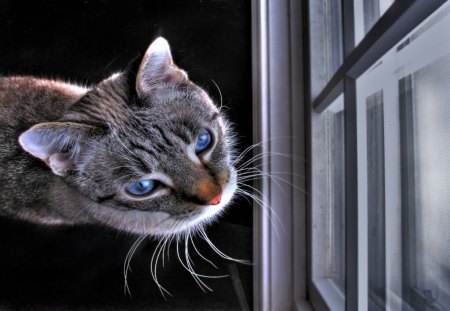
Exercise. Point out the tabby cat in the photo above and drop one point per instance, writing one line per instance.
(144, 151)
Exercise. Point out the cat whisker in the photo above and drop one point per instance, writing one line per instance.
(267, 211)
(199, 282)
(265, 155)
(259, 144)
(256, 168)
(132, 250)
(126, 266)
(188, 263)
(197, 251)
(257, 173)
(168, 248)
(154, 266)
(191, 269)
(220, 94)
(243, 153)
(203, 235)
(277, 179)
(261, 175)
(189, 238)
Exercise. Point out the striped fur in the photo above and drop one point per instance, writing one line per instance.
(67, 153)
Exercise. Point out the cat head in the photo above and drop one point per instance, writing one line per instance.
(148, 149)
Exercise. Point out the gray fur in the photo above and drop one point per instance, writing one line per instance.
(79, 148)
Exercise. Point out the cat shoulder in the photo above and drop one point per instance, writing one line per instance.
(27, 84)
(25, 99)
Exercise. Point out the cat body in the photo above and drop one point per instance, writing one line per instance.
(144, 151)
(29, 190)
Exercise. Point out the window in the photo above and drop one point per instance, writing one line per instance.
(328, 44)
(367, 13)
(425, 126)
(329, 244)
(392, 166)
(375, 97)
(376, 200)
(416, 84)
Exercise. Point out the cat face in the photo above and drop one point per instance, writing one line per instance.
(148, 150)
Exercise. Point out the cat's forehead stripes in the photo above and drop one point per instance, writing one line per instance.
(107, 103)
(154, 145)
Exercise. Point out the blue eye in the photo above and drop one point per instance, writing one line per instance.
(142, 187)
(203, 141)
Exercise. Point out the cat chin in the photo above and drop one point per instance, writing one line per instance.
(162, 223)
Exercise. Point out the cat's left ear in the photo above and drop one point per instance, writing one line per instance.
(61, 145)
(157, 67)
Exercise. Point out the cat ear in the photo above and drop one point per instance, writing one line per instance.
(157, 67)
(58, 144)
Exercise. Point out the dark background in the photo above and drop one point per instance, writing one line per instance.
(84, 42)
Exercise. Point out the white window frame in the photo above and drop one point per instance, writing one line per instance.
(280, 254)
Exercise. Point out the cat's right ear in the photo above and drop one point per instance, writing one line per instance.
(59, 144)
(157, 67)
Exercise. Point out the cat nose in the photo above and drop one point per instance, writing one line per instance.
(208, 193)
(216, 199)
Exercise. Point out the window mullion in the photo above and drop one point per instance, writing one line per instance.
(349, 86)
(398, 20)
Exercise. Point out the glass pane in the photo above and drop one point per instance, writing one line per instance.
(367, 13)
(329, 146)
(325, 42)
(429, 209)
(404, 111)
(336, 158)
(375, 199)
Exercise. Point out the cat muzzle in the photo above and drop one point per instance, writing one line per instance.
(215, 200)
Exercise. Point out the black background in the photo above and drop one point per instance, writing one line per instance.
(84, 42)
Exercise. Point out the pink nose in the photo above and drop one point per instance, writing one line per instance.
(216, 199)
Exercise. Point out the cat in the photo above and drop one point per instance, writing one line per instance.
(144, 151)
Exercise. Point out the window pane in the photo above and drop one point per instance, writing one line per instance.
(429, 207)
(375, 200)
(329, 193)
(336, 158)
(404, 111)
(367, 13)
(325, 42)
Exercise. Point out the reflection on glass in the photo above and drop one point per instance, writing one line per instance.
(367, 13)
(425, 101)
(326, 42)
(404, 107)
(336, 191)
(375, 200)
(338, 200)
(328, 200)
